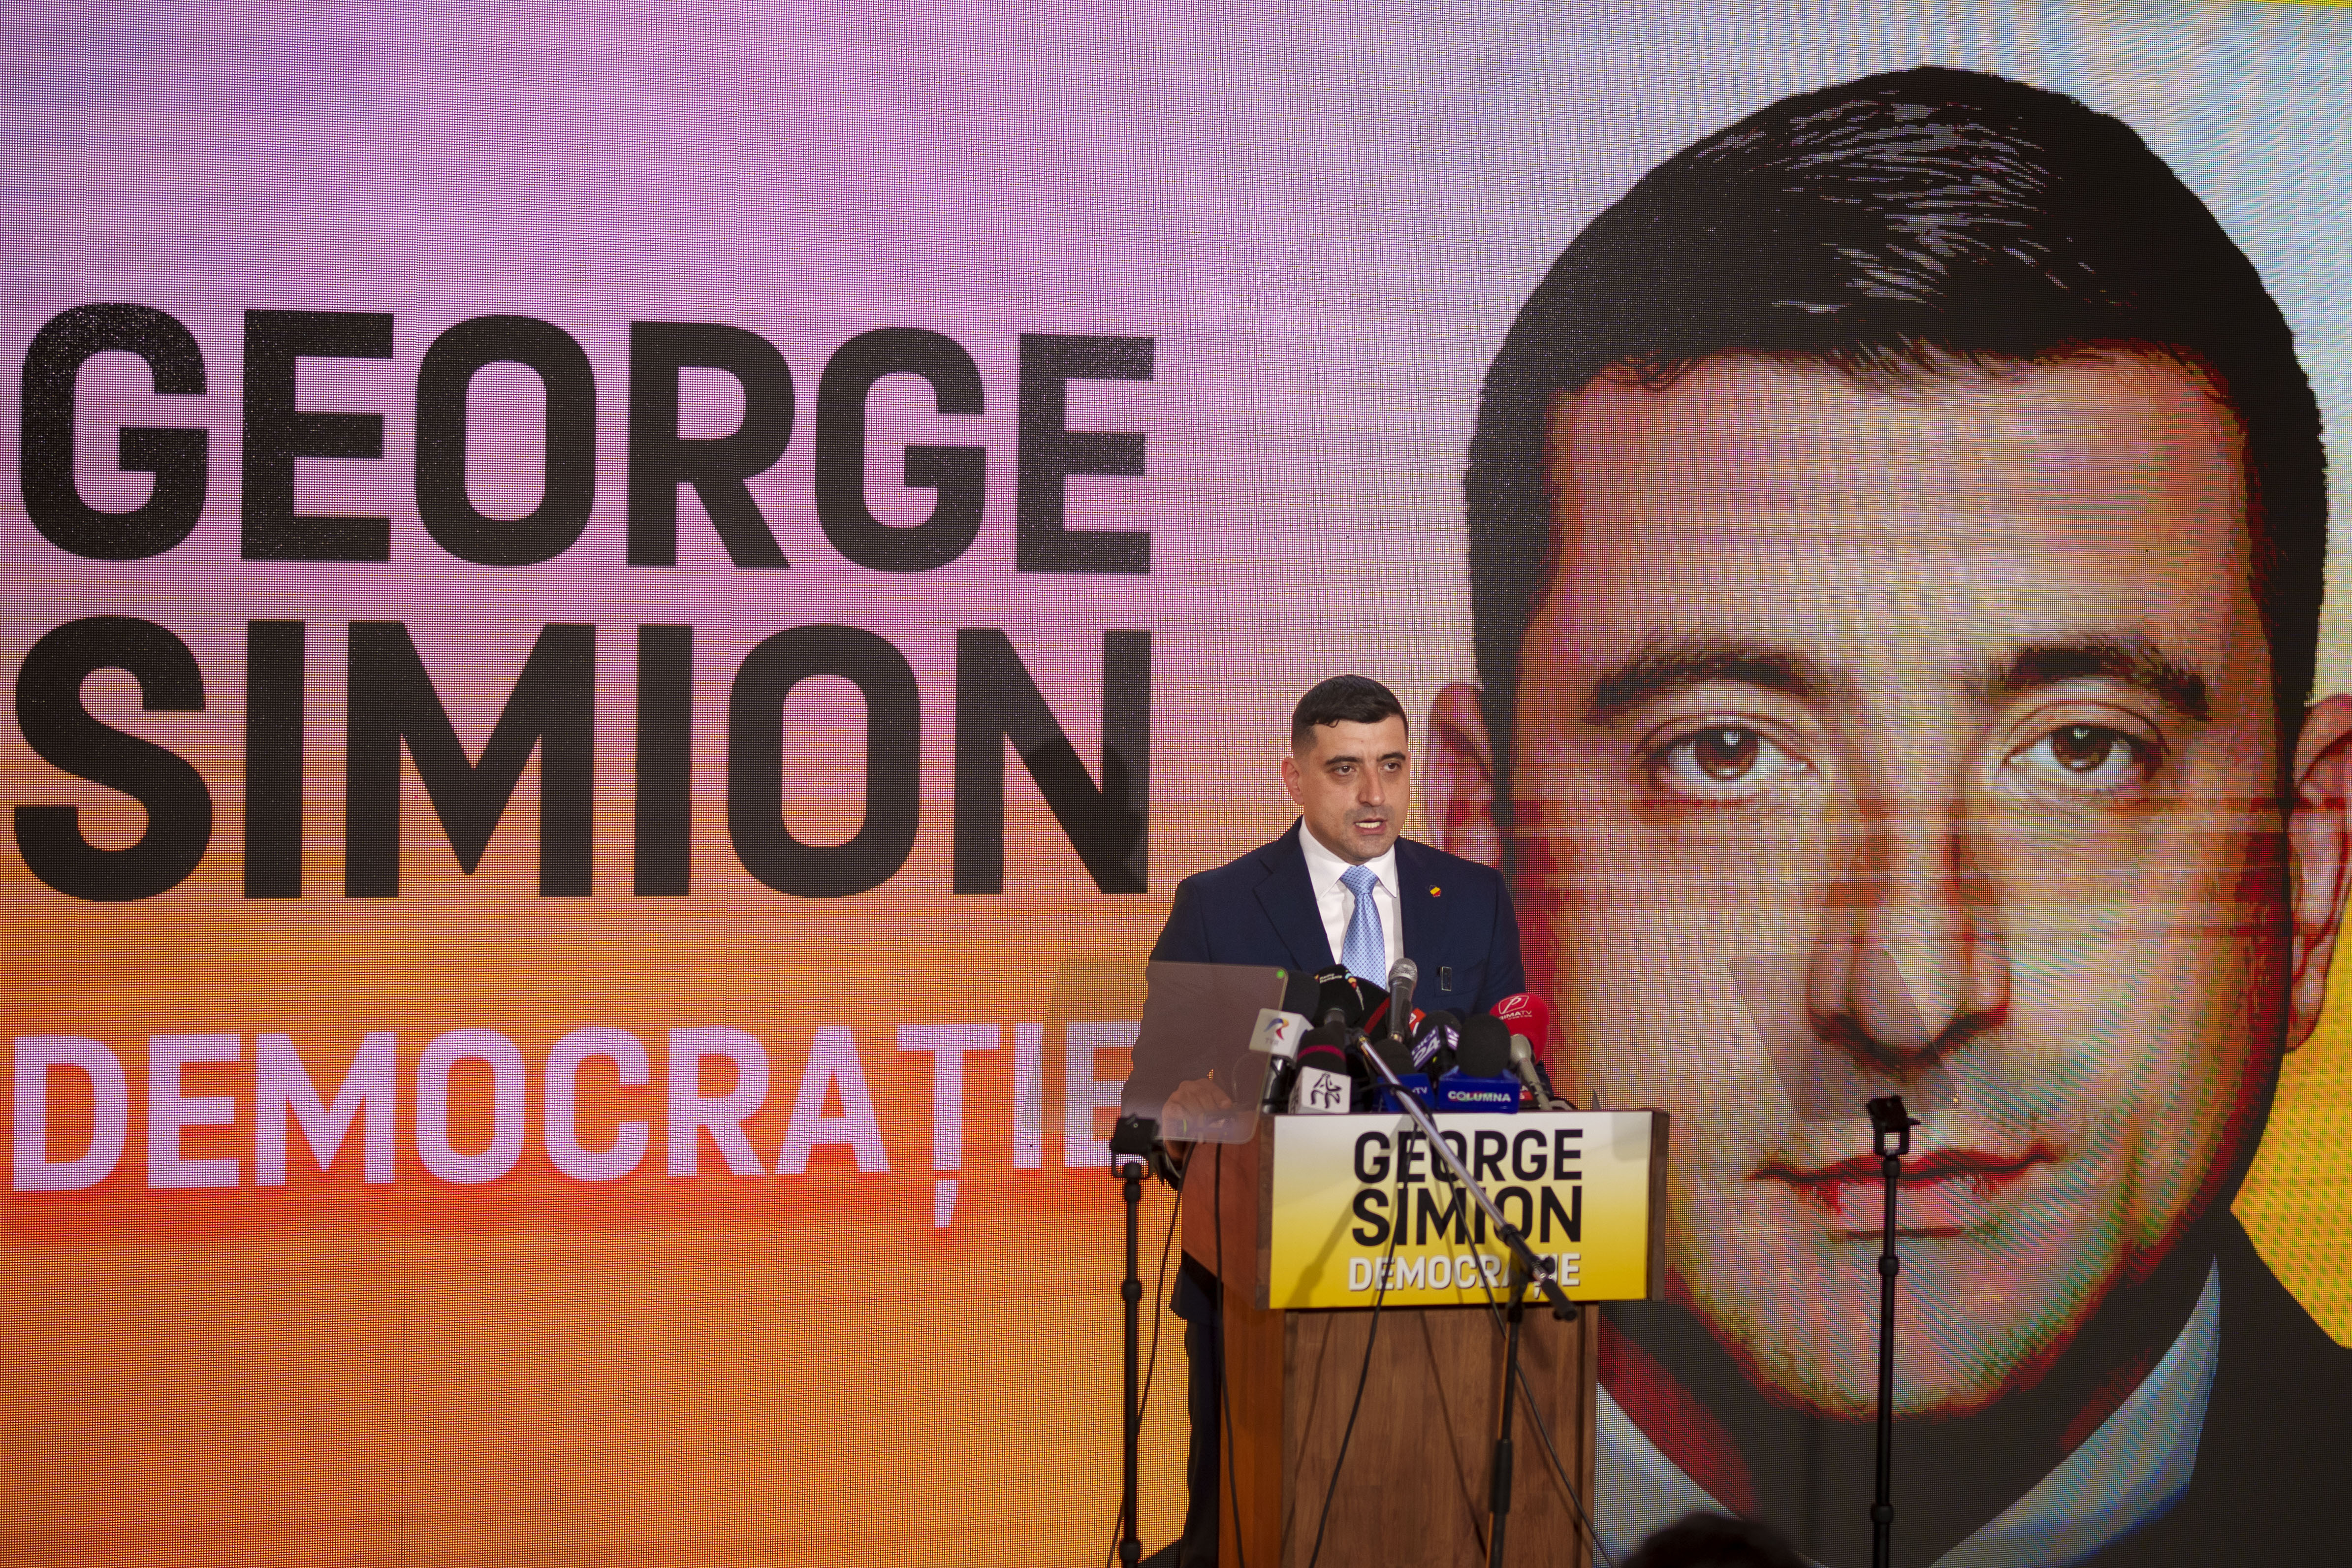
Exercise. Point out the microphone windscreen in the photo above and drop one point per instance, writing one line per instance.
(1397, 1055)
(1324, 1053)
(1367, 1005)
(1300, 993)
(1486, 1048)
(1353, 997)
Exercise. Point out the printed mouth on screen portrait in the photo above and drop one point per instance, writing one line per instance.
(1946, 1193)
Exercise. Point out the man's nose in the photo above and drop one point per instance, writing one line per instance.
(1910, 961)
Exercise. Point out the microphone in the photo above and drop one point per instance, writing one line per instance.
(1530, 1072)
(1278, 1038)
(1300, 993)
(1435, 1040)
(1527, 1014)
(1481, 1078)
(1396, 1053)
(1397, 1056)
(1529, 1019)
(1357, 999)
(1322, 1086)
(1484, 1050)
(1401, 980)
(1353, 1007)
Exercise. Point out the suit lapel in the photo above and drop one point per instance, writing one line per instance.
(1287, 897)
(1422, 896)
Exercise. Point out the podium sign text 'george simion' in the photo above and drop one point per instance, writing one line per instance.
(1355, 1198)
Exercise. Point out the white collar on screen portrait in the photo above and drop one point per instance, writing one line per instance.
(1336, 904)
(2132, 1468)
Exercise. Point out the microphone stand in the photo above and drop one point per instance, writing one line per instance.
(1527, 1269)
(1499, 1489)
(1135, 1147)
(1890, 1127)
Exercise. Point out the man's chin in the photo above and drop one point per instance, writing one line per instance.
(1808, 1339)
(1356, 846)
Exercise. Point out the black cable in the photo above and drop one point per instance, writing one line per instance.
(1495, 1312)
(1562, 1472)
(1371, 1336)
(1224, 1384)
(1158, 1311)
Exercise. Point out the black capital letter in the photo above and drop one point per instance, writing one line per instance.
(996, 701)
(273, 759)
(1571, 1217)
(276, 433)
(46, 451)
(553, 708)
(665, 762)
(569, 489)
(755, 761)
(56, 725)
(660, 459)
(957, 473)
(1051, 450)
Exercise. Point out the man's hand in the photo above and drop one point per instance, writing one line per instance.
(1198, 1108)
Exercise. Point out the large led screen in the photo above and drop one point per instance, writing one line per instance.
(623, 619)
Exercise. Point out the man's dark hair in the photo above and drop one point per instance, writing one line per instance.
(1342, 700)
(1715, 1541)
(1898, 228)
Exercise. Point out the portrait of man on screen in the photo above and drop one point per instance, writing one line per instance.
(1897, 530)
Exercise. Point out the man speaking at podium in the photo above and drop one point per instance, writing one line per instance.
(1340, 887)
(1895, 533)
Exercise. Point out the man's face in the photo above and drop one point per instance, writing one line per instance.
(1353, 785)
(1962, 683)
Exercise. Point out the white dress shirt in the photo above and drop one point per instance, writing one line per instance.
(1338, 906)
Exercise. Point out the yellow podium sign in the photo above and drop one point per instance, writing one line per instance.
(1359, 1208)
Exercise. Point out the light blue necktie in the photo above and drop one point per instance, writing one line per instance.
(1366, 949)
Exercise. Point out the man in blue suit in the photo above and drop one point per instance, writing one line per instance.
(1339, 887)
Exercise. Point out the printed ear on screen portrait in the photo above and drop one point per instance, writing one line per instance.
(1458, 767)
(2319, 845)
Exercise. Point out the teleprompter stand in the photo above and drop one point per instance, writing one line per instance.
(1135, 1149)
(1890, 1127)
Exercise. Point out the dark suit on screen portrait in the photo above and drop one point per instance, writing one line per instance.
(1459, 929)
(2268, 1446)
(2275, 1451)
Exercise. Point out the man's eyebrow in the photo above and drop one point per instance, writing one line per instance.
(1663, 664)
(2133, 661)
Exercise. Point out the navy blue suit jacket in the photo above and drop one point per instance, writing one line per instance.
(1459, 927)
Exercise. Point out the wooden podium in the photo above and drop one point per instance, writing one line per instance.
(1414, 1487)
